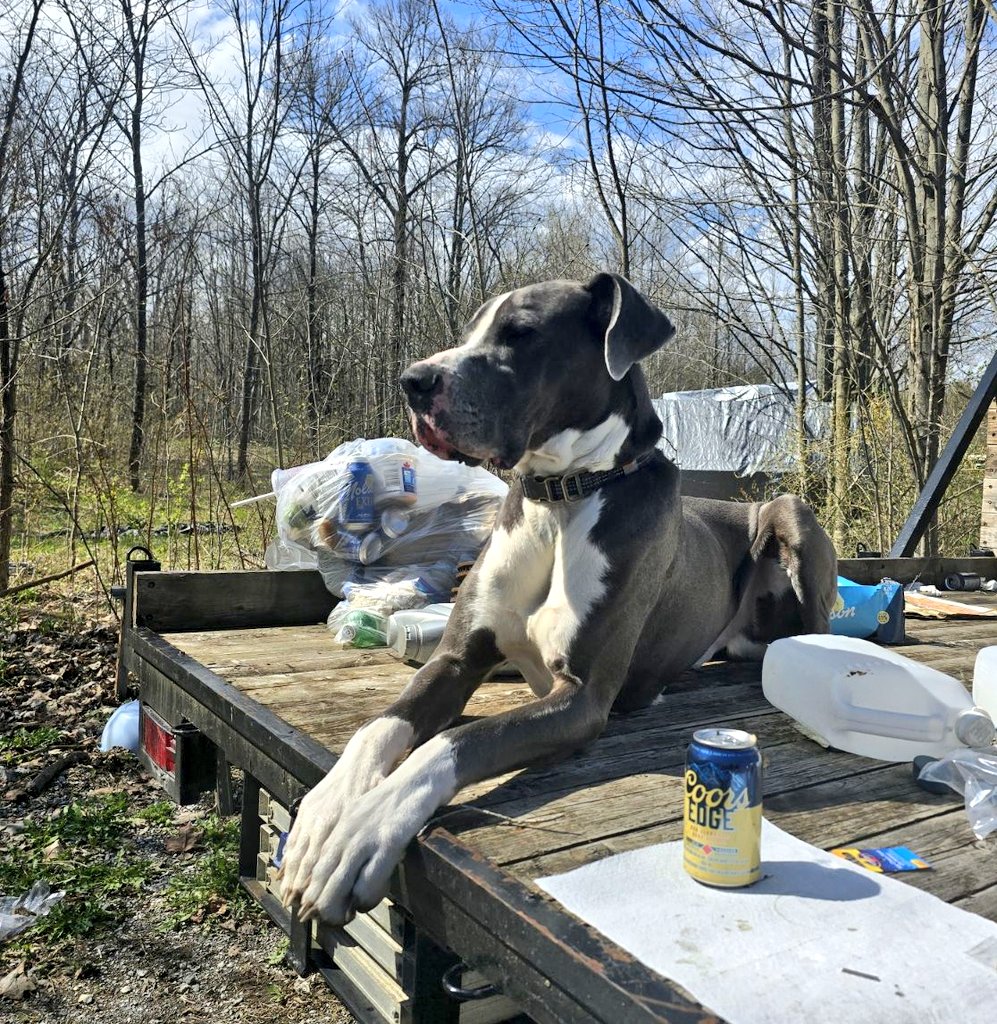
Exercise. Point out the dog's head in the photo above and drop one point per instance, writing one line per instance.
(535, 361)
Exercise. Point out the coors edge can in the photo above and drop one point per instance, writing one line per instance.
(722, 823)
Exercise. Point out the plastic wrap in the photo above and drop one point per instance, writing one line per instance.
(386, 523)
(973, 773)
(20, 912)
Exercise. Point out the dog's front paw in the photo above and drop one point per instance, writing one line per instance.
(369, 756)
(315, 822)
(353, 869)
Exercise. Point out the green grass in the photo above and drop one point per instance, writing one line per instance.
(170, 498)
(87, 850)
(160, 813)
(97, 896)
(99, 821)
(212, 882)
(82, 850)
(279, 954)
(25, 740)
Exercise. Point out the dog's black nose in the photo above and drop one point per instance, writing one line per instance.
(421, 381)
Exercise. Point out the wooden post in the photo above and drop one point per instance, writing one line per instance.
(988, 520)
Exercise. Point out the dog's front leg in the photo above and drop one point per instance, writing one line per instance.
(434, 697)
(354, 868)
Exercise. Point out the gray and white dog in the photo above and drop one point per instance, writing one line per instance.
(600, 581)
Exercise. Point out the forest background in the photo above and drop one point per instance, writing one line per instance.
(226, 226)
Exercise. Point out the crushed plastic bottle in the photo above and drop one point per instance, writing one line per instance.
(852, 695)
(973, 773)
(20, 912)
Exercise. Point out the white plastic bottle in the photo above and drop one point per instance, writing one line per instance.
(985, 681)
(414, 634)
(855, 696)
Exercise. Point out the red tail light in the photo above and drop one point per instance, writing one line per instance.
(158, 741)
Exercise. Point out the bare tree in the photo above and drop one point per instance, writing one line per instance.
(390, 131)
(249, 118)
(141, 21)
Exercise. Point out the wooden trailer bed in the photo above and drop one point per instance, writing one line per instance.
(281, 702)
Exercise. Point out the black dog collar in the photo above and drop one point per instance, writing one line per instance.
(575, 486)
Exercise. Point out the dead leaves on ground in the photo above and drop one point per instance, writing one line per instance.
(187, 838)
(17, 983)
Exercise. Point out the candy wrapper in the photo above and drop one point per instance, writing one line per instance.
(385, 522)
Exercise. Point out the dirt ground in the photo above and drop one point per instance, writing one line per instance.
(153, 927)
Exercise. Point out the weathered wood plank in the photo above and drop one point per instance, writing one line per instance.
(804, 787)
(319, 681)
(543, 823)
(306, 759)
(906, 570)
(614, 755)
(983, 902)
(166, 601)
(962, 865)
(924, 630)
(332, 725)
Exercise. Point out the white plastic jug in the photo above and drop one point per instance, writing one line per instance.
(855, 696)
(985, 681)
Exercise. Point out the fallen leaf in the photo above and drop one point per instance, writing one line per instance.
(17, 984)
(53, 850)
(184, 841)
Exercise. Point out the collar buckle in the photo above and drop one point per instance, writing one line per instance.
(573, 487)
(576, 479)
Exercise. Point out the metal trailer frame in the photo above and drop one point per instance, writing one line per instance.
(948, 462)
(460, 908)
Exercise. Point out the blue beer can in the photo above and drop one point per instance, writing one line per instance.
(357, 506)
(722, 819)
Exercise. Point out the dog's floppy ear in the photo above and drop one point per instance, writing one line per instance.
(633, 328)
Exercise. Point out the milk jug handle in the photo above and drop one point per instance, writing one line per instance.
(896, 724)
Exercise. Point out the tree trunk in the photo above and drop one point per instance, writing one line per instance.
(141, 252)
(8, 414)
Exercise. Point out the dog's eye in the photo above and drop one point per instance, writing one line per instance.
(517, 331)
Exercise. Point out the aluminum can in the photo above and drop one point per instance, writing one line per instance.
(364, 548)
(394, 522)
(722, 819)
(357, 504)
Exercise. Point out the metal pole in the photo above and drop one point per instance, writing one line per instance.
(944, 469)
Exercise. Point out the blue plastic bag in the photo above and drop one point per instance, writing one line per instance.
(869, 612)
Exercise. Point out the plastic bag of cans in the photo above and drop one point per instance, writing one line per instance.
(385, 522)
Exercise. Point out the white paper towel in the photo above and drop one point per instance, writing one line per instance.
(816, 940)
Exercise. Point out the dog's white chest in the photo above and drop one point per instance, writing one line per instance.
(538, 583)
